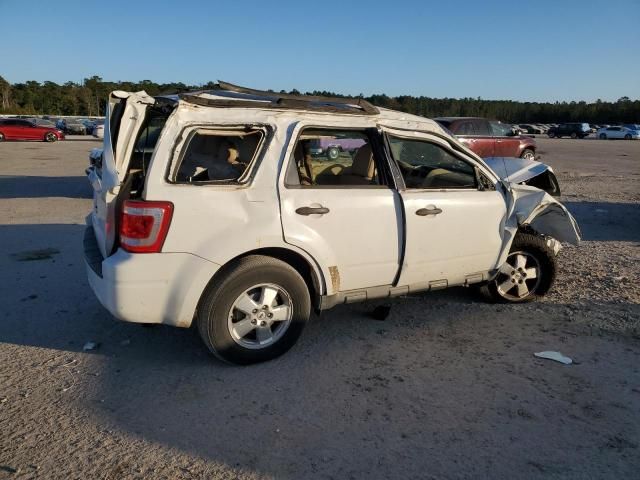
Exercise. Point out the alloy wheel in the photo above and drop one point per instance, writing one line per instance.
(518, 277)
(260, 316)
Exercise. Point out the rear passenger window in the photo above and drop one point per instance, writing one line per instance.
(217, 156)
(428, 165)
(323, 157)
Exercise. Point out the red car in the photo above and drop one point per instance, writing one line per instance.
(18, 129)
(490, 139)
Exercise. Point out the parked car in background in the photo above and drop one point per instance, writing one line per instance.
(89, 125)
(410, 210)
(98, 130)
(632, 126)
(573, 130)
(41, 122)
(71, 126)
(533, 129)
(19, 129)
(618, 133)
(490, 138)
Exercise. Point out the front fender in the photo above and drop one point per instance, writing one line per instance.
(531, 207)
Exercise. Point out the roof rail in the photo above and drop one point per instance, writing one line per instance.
(349, 105)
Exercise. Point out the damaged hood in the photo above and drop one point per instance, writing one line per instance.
(516, 170)
(530, 206)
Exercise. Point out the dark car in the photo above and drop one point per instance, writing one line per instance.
(18, 129)
(490, 138)
(71, 126)
(573, 130)
(89, 125)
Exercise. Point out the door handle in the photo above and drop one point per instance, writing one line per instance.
(312, 210)
(423, 212)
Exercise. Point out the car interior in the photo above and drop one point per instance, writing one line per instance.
(331, 157)
(218, 156)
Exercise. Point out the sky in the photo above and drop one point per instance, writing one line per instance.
(558, 50)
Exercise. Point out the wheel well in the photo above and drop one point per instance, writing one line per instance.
(294, 259)
(528, 147)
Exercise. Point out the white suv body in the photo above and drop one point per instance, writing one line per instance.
(384, 232)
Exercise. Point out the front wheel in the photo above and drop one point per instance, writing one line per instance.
(551, 134)
(627, 137)
(528, 154)
(603, 136)
(574, 135)
(50, 137)
(255, 311)
(1, 137)
(528, 273)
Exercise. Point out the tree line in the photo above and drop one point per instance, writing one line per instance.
(89, 99)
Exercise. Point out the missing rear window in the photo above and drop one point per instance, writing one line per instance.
(218, 156)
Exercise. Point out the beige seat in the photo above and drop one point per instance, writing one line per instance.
(362, 171)
(363, 165)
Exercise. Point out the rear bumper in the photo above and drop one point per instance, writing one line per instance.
(148, 288)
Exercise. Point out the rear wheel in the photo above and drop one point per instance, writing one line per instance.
(333, 153)
(528, 273)
(255, 311)
(528, 154)
(50, 137)
(627, 137)
(551, 134)
(574, 135)
(1, 137)
(603, 136)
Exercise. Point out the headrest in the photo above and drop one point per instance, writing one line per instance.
(363, 165)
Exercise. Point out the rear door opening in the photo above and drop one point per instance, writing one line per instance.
(132, 126)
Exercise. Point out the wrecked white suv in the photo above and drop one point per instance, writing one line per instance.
(243, 210)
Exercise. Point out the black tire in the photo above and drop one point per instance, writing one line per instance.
(50, 137)
(551, 134)
(333, 153)
(1, 137)
(528, 154)
(218, 299)
(574, 135)
(627, 137)
(603, 136)
(536, 247)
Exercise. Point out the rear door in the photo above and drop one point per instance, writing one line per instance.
(125, 115)
(453, 227)
(12, 130)
(341, 209)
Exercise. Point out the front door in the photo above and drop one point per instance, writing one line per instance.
(336, 205)
(506, 143)
(453, 228)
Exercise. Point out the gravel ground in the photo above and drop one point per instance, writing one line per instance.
(446, 387)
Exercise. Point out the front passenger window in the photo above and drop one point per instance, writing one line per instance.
(428, 165)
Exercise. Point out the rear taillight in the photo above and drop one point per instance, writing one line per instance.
(144, 225)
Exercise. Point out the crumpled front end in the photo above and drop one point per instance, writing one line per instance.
(531, 207)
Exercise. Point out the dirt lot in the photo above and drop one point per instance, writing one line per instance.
(446, 387)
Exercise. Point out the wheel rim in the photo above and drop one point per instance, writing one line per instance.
(529, 156)
(333, 154)
(260, 316)
(519, 276)
(50, 137)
